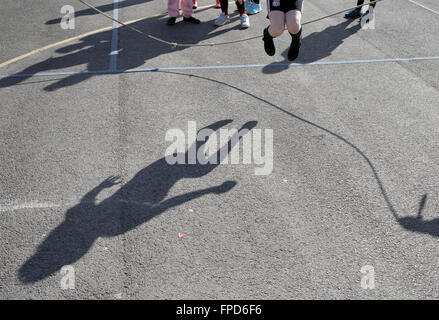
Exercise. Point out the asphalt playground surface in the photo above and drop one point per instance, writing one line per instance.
(355, 156)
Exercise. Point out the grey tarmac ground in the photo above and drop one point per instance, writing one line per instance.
(355, 156)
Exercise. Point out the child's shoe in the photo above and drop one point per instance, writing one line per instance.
(191, 20)
(296, 42)
(222, 19)
(269, 47)
(245, 21)
(353, 14)
(171, 21)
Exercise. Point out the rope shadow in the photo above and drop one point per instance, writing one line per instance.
(417, 224)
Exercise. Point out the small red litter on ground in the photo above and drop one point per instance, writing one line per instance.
(180, 235)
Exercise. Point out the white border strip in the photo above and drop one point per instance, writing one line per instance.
(422, 6)
(114, 37)
(219, 67)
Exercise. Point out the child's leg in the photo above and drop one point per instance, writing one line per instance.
(186, 7)
(360, 2)
(277, 23)
(294, 20)
(225, 6)
(245, 21)
(240, 6)
(173, 8)
(275, 29)
(224, 15)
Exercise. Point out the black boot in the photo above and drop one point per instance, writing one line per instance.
(268, 43)
(191, 20)
(296, 42)
(171, 21)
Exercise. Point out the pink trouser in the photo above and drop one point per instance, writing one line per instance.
(186, 7)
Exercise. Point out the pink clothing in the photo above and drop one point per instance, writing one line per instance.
(185, 5)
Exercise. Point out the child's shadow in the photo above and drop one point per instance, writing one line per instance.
(139, 200)
(316, 46)
(133, 50)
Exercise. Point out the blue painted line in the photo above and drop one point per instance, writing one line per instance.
(114, 37)
(219, 67)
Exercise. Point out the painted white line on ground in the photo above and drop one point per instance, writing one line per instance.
(422, 6)
(219, 67)
(114, 37)
(54, 74)
(71, 203)
(28, 205)
(274, 65)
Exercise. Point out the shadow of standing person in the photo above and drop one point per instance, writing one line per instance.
(104, 8)
(134, 50)
(140, 199)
